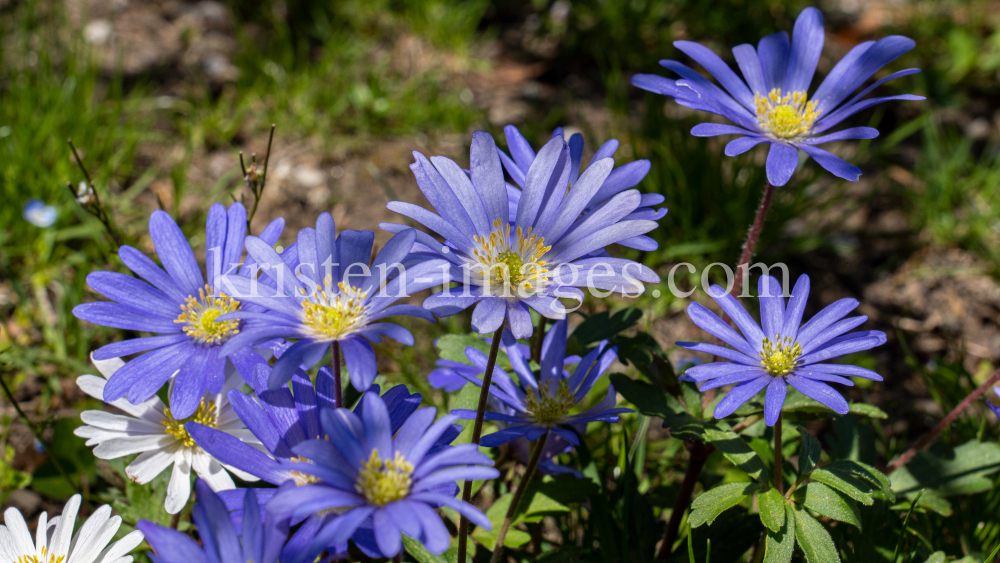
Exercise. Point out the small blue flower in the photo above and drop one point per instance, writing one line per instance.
(39, 214)
(994, 408)
(284, 418)
(784, 352)
(542, 403)
(776, 107)
(327, 293)
(252, 539)
(619, 180)
(178, 306)
(505, 267)
(367, 473)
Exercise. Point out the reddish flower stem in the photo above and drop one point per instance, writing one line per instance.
(945, 423)
(752, 236)
(477, 431)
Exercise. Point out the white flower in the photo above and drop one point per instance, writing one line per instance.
(54, 541)
(150, 431)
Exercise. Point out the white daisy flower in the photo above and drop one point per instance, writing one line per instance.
(149, 429)
(54, 540)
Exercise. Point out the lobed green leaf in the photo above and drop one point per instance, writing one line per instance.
(779, 545)
(737, 451)
(714, 502)
(825, 501)
(772, 509)
(815, 541)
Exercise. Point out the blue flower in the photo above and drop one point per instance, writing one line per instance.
(38, 214)
(994, 408)
(542, 403)
(179, 308)
(776, 108)
(619, 180)
(504, 267)
(284, 418)
(784, 352)
(367, 473)
(327, 293)
(252, 539)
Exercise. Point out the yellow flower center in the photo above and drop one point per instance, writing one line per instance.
(206, 414)
(45, 557)
(199, 316)
(334, 314)
(780, 356)
(384, 481)
(511, 265)
(785, 116)
(546, 407)
(301, 478)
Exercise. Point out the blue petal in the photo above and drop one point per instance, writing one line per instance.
(773, 53)
(781, 162)
(807, 44)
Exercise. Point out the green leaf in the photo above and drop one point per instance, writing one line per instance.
(963, 470)
(515, 538)
(825, 501)
(11, 479)
(780, 544)
(714, 502)
(815, 541)
(534, 505)
(419, 552)
(867, 410)
(604, 325)
(772, 509)
(936, 557)
(866, 472)
(692, 398)
(845, 483)
(737, 451)
(809, 456)
(452, 347)
(652, 401)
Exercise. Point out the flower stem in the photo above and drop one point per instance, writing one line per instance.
(529, 472)
(536, 348)
(778, 480)
(338, 397)
(477, 432)
(698, 454)
(36, 431)
(752, 236)
(946, 422)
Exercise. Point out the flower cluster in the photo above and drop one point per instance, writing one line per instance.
(239, 371)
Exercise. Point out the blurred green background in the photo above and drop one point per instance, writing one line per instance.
(160, 97)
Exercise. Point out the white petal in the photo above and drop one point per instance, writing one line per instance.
(107, 367)
(89, 532)
(97, 435)
(151, 409)
(118, 447)
(121, 423)
(115, 553)
(241, 474)
(6, 545)
(179, 489)
(19, 531)
(212, 472)
(148, 465)
(40, 538)
(64, 528)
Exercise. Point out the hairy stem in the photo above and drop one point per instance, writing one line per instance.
(752, 237)
(945, 423)
(698, 454)
(477, 432)
(338, 397)
(778, 480)
(529, 472)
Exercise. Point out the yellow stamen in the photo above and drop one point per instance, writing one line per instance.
(781, 356)
(510, 266)
(45, 557)
(548, 408)
(384, 481)
(786, 116)
(303, 478)
(199, 316)
(332, 315)
(206, 414)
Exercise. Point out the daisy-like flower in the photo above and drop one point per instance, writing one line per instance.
(54, 541)
(780, 351)
(543, 403)
(284, 418)
(179, 307)
(619, 180)
(256, 540)
(329, 294)
(773, 104)
(367, 473)
(504, 267)
(152, 430)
